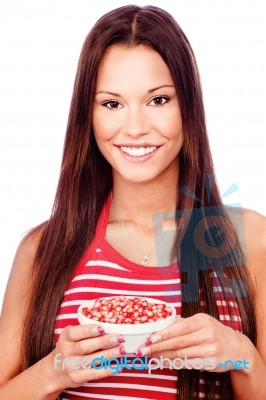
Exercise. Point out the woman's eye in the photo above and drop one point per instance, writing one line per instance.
(160, 100)
(112, 104)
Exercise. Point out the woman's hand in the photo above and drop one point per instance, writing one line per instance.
(77, 346)
(203, 337)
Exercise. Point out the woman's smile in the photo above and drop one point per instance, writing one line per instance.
(136, 117)
(138, 153)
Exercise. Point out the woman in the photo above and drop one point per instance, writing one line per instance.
(136, 150)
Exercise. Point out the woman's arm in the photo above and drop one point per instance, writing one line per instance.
(46, 379)
(202, 336)
(251, 384)
(35, 381)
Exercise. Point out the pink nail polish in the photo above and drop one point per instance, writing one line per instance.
(120, 339)
(96, 330)
(156, 338)
(122, 351)
(143, 352)
(100, 329)
(148, 341)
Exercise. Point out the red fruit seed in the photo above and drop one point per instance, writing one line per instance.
(121, 310)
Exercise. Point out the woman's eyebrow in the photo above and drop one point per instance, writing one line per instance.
(119, 95)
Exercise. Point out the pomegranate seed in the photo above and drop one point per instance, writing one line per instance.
(144, 318)
(121, 310)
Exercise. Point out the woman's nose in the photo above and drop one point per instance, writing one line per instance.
(137, 122)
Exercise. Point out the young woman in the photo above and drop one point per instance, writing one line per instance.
(137, 212)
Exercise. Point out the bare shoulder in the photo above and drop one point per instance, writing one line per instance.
(254, 221)
(255, 233)
(15, 304)
(255, 236)
(29, 244)
(24, 257)
(251, 230)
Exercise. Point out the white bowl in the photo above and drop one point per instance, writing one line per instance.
(134, 334)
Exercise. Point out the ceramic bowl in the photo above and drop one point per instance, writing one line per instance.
(134, 334)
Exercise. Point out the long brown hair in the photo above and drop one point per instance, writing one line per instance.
(86, 180)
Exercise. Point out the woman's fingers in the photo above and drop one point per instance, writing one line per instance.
(86, 339)
(74, 362)
(88, 346)
(177, 342)
(75, 371)
(197, 351)
(181, 327)
(78, 332)
(85, 375)
(80, 349)
(179, 335)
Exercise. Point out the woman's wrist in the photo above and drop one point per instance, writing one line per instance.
(51, 381)
(248, 383)
(249, 354)
(248, 357)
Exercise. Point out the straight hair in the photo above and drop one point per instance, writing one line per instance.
(86, 180)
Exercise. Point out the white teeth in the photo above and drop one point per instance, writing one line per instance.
(138, 151)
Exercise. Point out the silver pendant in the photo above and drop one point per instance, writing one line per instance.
(145, 260)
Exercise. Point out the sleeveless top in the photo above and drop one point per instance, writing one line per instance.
(103, 272)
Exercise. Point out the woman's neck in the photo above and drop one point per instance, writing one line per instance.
(139, 202)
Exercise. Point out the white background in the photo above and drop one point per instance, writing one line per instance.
(40, 42)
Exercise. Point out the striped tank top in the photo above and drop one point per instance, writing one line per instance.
(103, 272)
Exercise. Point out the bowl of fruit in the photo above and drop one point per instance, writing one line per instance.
(136, 318)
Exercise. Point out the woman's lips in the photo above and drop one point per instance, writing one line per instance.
(139, 153)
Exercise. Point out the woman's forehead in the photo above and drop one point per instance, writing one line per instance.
(139, 67)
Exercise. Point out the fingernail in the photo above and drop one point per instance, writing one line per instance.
(120, 351)
(120, 370)
(143, 352)
(97, 330)
(117, 339)
(155, 339)
(100, 329)
(148, 341)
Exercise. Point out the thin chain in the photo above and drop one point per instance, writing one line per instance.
(145, 259)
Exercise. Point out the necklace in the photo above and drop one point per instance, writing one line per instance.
(145, 259)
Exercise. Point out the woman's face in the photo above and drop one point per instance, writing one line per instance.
(136, 117)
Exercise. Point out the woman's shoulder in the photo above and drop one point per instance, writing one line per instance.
(251, 224)
(30, 242)
(255, 234)
(16, 302)
(21, 271)
(251, 228)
